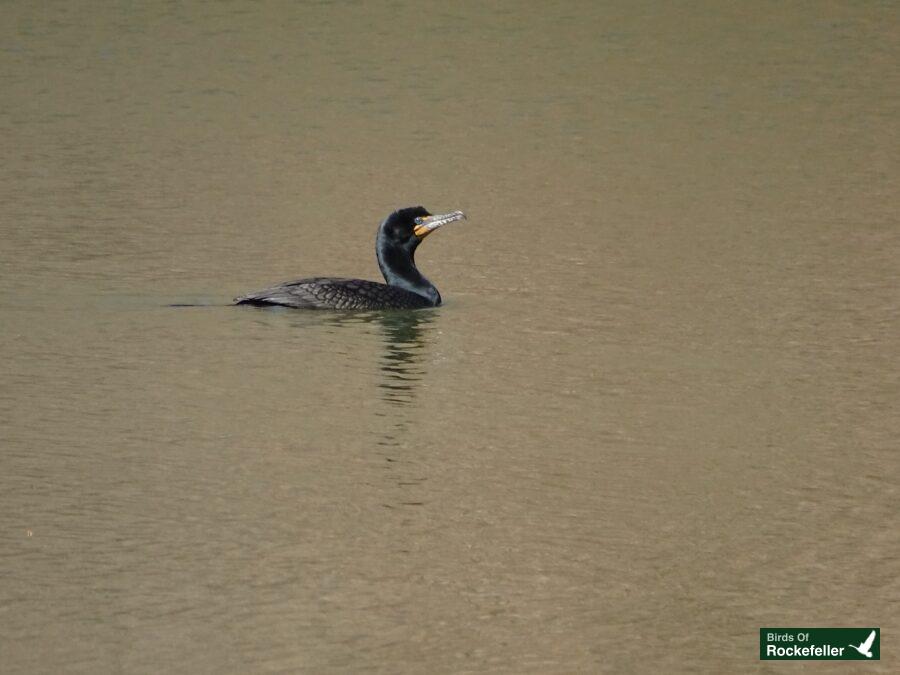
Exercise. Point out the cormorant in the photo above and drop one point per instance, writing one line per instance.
(395, 246)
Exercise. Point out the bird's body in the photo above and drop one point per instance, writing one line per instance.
(335, 293)
(395, 244)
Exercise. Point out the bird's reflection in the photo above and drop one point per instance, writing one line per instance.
(401, 363)
(404, 336)
(402, 368)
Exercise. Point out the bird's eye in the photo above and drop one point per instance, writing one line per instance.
(419, 220)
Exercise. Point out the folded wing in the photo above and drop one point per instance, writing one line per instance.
(333, 293)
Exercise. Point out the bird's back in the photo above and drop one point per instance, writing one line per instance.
(335, 293)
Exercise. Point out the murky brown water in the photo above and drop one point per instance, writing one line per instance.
(658, 410)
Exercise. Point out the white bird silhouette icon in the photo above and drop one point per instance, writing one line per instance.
(864, 647)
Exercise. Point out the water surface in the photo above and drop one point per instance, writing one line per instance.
(657, 411)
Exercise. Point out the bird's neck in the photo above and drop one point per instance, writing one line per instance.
(398, 267)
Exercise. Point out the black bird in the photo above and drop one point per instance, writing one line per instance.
(395, 246)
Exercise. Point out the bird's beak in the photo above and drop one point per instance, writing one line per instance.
(428, 224)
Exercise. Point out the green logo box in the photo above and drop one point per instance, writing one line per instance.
(820, 644)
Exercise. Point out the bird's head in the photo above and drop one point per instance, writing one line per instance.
(406, 228)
